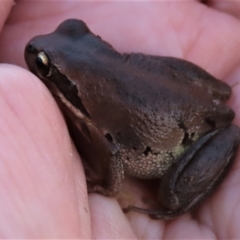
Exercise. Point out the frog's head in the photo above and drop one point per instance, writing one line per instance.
(69, 49)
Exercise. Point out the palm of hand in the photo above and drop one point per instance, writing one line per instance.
(45, 170)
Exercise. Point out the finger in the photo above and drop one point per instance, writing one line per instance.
(108, 219)
(40, 197)
(229, 7)
(5, 8)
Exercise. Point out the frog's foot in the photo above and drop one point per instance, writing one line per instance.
(154, 214)
(96, 187)
(101, 190)
(164, 213)
(196, 174)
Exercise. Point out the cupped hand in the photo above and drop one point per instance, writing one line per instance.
(42, 184)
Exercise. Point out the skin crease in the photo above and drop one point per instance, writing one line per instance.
(42, 186)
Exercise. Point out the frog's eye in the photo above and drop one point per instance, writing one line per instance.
(43, 64)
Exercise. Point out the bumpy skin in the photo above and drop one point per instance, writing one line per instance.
(137, 114)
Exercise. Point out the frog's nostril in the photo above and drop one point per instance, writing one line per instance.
(31, 48)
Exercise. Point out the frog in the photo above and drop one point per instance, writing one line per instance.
(138, 115)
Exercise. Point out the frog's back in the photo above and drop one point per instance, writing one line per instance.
(166, 113)
(158, 104)
(164, 95)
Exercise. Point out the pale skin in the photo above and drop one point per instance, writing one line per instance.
(42, 183)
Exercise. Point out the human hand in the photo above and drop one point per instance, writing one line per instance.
(43, 192)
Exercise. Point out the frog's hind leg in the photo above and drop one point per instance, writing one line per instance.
(196, 174)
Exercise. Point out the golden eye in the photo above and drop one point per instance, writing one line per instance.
(43, 64)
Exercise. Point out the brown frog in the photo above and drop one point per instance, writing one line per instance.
(146, 116)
